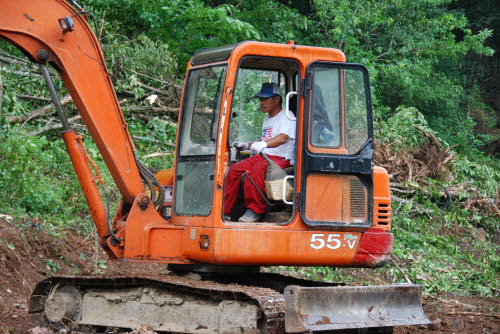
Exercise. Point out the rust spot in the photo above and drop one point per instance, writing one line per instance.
(29, 17)
(324, 321)
(370, 308)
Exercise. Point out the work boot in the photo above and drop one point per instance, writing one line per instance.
(250, 216)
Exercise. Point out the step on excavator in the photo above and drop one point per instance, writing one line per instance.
(332, 208)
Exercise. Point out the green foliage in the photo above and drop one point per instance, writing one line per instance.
(442, 260)
(38, 180)
(21, 77)
(186, 26)
(437, 242)
(24, 184)
(138, 60)
(399, 128)
(274, 21)
(414, 50)
(483, 174)
(157, 135)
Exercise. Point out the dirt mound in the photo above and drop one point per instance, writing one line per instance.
(29, 254)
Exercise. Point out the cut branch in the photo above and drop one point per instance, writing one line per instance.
(402, 191)
(153, 89)
(398, 199)
(157, 154)
(146, 109)
(52, 126)
(155, 79)
(6, 54)
(393, 260)
(31, 74)
(30, 97)
(176, 88)
(11, 60)
(429, 135)
(37, 112)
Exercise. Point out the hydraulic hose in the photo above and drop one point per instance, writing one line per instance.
(151, 181)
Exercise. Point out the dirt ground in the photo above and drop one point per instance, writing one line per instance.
(29, 254)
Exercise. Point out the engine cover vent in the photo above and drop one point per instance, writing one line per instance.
(358, 199)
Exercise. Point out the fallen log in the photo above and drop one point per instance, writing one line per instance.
(148, 109)
(37, 113)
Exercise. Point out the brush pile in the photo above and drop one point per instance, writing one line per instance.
(418, 162)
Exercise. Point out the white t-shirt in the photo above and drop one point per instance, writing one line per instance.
(273, 126)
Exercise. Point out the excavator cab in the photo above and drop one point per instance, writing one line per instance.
(331, 181)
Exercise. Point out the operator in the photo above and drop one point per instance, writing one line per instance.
(277, 142)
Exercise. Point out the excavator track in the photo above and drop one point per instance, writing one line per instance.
(208, 303)
(222, 302)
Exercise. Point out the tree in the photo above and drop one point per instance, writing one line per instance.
(415, 51)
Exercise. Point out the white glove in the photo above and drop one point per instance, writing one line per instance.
(240, 146)
(258, 146)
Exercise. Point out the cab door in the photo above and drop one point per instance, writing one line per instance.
(337, 150)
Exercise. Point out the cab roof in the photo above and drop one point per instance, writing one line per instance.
(223, 53)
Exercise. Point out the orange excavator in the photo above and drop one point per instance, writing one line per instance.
(332, 208)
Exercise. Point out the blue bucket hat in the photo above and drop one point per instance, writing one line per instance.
(268, 90)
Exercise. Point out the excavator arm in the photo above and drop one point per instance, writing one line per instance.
(53, 32)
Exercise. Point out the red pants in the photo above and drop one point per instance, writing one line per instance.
(256, 167)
